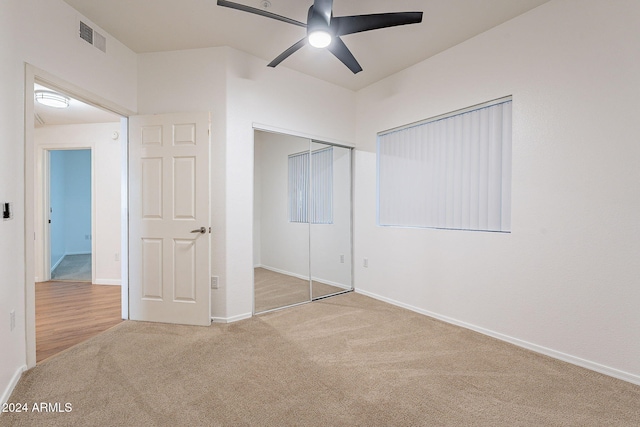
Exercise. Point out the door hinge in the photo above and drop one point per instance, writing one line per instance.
(209, 230)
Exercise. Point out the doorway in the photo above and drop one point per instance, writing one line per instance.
(70, 215)
(302, 220)
(78, 240)
(107, 141)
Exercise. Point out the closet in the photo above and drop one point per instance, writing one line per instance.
(302, 240)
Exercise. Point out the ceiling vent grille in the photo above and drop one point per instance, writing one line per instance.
(100, 41)
(93, 37)
(86, 33)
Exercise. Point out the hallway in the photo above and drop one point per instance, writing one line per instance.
(68, 313)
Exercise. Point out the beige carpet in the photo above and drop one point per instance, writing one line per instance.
(73, 267)
(274, 290)
(343, 361)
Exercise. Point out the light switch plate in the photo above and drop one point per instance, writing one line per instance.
(7, 211)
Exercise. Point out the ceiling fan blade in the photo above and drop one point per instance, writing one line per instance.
(342, 52)
(260, 12)
(343, 25)
(284, 55)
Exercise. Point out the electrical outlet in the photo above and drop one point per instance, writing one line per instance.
(12, 320)
(341, 259)
(365, 262)
(214, 282)
(117, 257)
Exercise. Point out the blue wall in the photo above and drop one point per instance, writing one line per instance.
(70, 200)
(56, 201)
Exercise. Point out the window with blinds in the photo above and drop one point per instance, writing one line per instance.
(451, 172)
(311, 187)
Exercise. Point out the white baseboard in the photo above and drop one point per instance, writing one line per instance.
(597, 367)
(329, 282)
(303, 277)
(286, 273)
(232, 318)
(114, 282)
(12, 384)
(77, 253)
(53, 267)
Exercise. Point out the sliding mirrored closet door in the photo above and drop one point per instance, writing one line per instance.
(330, 222)
(302, 220)
(280, 240)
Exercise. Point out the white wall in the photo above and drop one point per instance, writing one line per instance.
(565, 281)
(106, 239)
(44, 34)
(239, 90)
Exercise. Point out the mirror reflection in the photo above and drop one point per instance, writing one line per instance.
(281, 246)
(330, 220)
(302, 220)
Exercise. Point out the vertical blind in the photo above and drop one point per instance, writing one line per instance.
(322, 186)
(298, 187)
(451, 172)
(311, 187)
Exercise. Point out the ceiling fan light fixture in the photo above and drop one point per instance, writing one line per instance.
(51, 99)
(324, 30)
(320, 38)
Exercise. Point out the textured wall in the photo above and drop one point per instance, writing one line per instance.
(565, 280)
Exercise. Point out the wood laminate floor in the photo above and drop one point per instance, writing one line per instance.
(68, 313)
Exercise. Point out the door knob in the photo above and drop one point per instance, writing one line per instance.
(200, 230)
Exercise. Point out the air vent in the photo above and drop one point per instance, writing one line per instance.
(93, 37)
(86, 33)
(100, 41)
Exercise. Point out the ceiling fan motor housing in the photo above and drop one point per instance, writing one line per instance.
(318, 21)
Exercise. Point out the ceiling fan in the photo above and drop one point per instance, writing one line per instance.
(324, 30)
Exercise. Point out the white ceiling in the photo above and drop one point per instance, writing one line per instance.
(165, 25)
(77, 112)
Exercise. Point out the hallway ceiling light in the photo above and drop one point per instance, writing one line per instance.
(51, 99)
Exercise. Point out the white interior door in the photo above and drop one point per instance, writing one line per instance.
(169, 218)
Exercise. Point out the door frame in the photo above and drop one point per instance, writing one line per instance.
(44, 186)
(35, 75)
